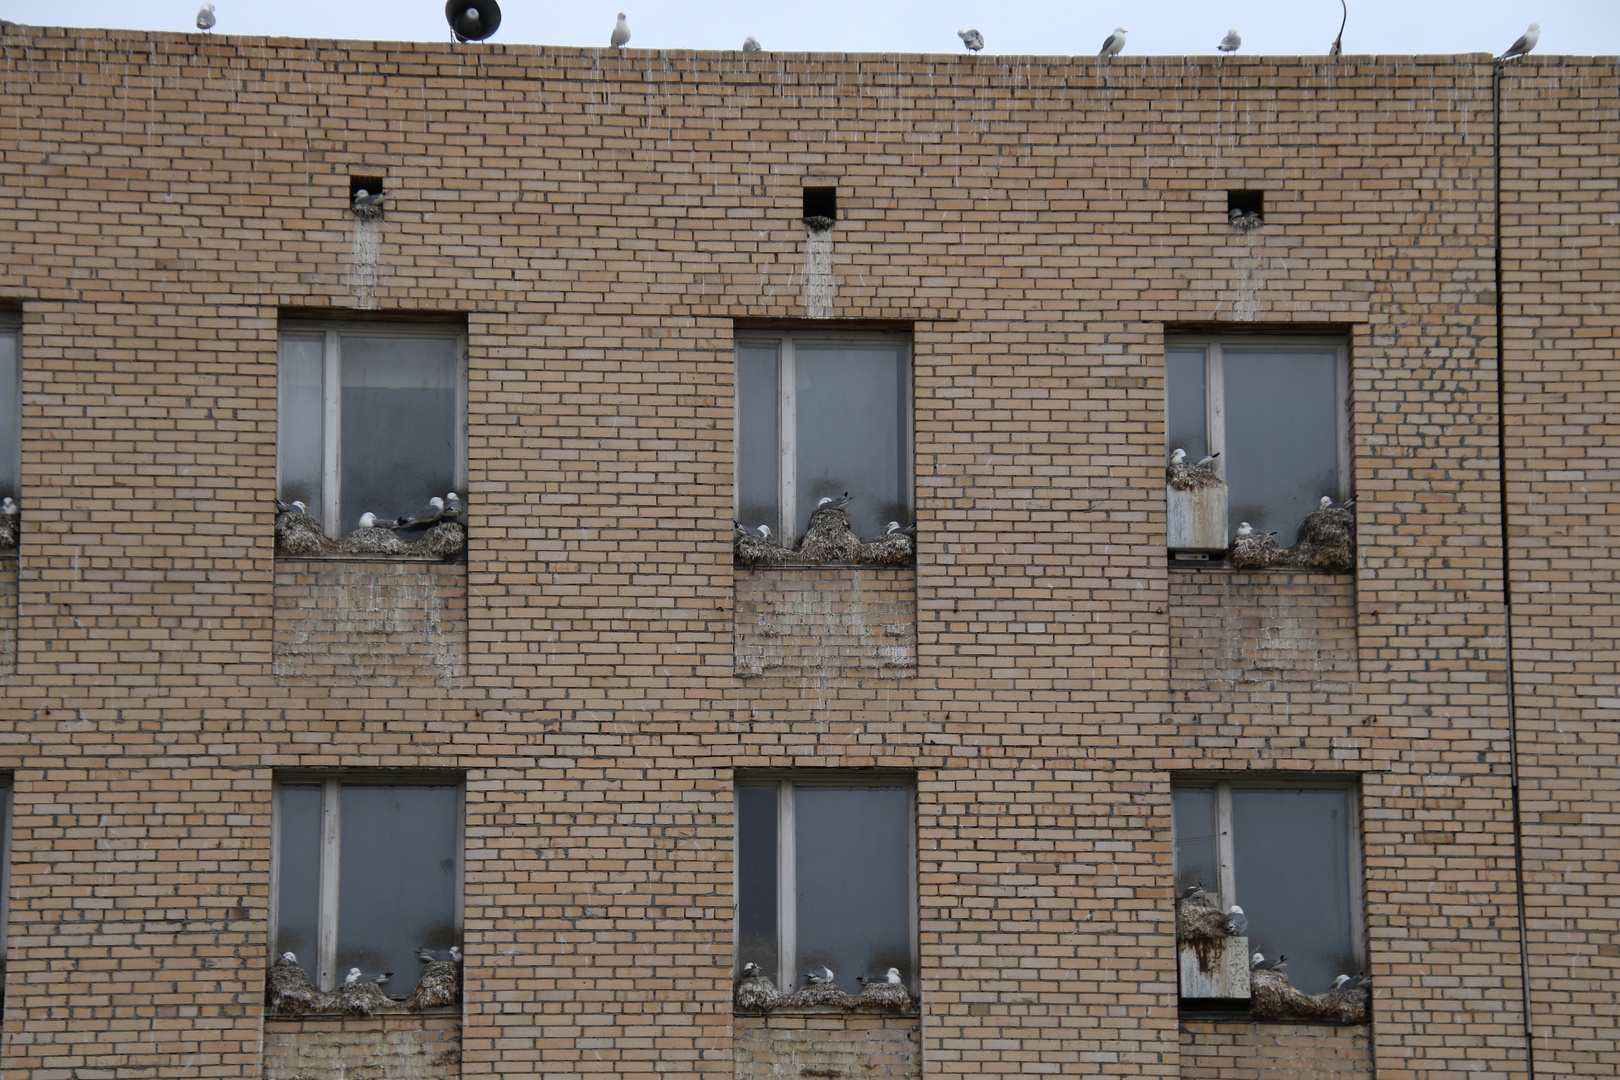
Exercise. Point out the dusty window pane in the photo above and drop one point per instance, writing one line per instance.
(1195, 839)
(298, 868)
(756, 877)
(854, 882)
(298, 437)
(1282, 441)
(853, 428)
(9, 414)
(1292, 869)
(758, 440)
(400, 424)
(397, 888)
(1186, 410)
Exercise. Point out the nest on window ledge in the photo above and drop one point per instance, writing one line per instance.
(1327, 541)
(1272, 997)
(829, 539)
(300, 535)
(289, 992)
(759, 995)
(1191, 477)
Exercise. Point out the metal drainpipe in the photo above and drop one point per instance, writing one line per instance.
(1507, 587)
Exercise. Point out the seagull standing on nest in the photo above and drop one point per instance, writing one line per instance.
(205, 17)
(621, 33)
(972, 39)
(1114, 43)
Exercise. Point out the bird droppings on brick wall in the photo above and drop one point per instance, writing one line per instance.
(818, 271)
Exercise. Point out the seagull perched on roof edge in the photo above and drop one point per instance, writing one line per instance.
(750, 44)
(621, 33)
(1113, 43)
(205, 17)
(1526, 42)
(1230, 42)
(972, 39)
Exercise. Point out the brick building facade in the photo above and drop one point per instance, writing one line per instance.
(596, 674)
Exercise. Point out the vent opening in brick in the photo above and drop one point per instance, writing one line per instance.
(1246, 209)
(820, 208)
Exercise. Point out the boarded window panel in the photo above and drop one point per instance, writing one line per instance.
(401, 425)
(854, 432)
(1282, 440)
(397, 889)
(299, 441)
(1186, 410)
(1196, 854)
(853, 872)
(758, 437)
(298, 872)
(1292, 870)
(756, 878)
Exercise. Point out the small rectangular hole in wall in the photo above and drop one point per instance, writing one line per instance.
(369, 184)
(1251, 205)
(821, 205)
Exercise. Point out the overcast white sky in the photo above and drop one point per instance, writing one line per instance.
(1040, 27)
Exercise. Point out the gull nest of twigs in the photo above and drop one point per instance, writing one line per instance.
(1272, 996)
(829, 539)
(1201, 927)
(1327, 540)
(1191, 477)
(372, 541)
(756, 994)
(1256, 552)
(300, 535)
(884, 996)
(287, 989)
(444, 541)
(358, 999)
(818, 224)
(440, 986)
(818, 994)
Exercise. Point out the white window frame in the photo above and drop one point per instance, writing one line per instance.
(1226, 852)
(332, 334)
(787, 410)
(787, 943)
(325, 975)
(1215, 388)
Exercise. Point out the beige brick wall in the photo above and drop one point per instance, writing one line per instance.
(363, 1048)
(1237, 1050)
(812, 626)
(601, 220)
(808, 1047)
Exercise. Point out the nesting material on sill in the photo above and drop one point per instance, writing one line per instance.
(1327, 540)
(756, 994)
(300, 535)
(818, 994)
(1274, 997)
(1256, 552)
(289, 992)
(883, 997)
(8, 532)
(440, 986)
(1191, 477)
(829, 539)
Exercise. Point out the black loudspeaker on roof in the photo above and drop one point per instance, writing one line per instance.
(473, 20)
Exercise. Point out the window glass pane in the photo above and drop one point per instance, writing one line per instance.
(1282, 436)
(854, 432)
(758, 439)
(298, 421)
(1292, 869)
(298, 870)
(9, 413)
(854, 882)
(401, 425)
(756, 878)
(1195, 840)
(397, 887)
(1186, 411)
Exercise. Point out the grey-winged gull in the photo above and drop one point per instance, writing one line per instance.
(1113, 43)
(205, 17)
(621, 33)
(1190, 891)
(972, 39)
(1231, 42)
(1237, 923)
(892, 977)
(355, 975)
(1526, 42)
(750, 44)
(431, 956)
(453, 505)
(1258, 962)
(1346, 982)
(427, 515)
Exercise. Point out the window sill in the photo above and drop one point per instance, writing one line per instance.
(1215, 565)
(827, 1010)
(369, 556)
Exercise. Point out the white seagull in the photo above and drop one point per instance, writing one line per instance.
(1230, 42)
(1193, 890)
(289, 958)
(765, 531)
(1178, 456)
(819, 974)
(428, 956)
(368, 520)
(1526, 42)
(1237, 923)
(205, 17)
(355, 976)
(750, 44)
(972, 39)
(364, 199)
(892, 978)
(1258, 962)
(621, 33)
(1345, 982)
(9, 507)
(1114, 42)
(430, 513)
(452, 505)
